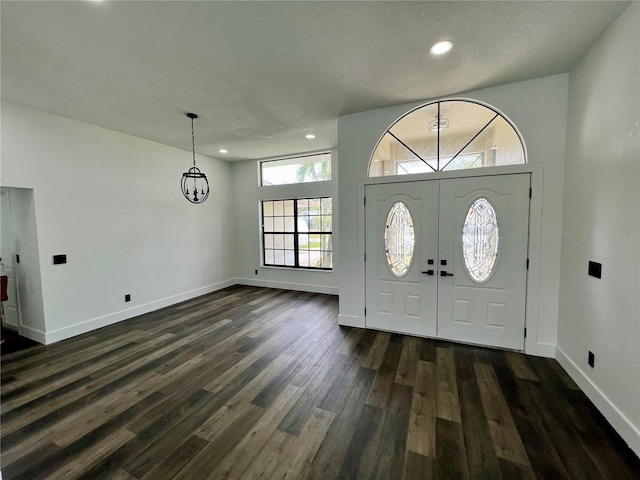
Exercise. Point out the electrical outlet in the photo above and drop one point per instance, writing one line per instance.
(127, 297)
(592, 359)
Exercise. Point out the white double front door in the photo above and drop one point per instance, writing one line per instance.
(448, 258)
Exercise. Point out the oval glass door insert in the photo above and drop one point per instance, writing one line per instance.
(480, 240)
(399, 239)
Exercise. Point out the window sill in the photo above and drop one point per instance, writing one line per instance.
(273, 267)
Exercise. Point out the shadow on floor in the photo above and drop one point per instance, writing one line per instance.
(13, 342)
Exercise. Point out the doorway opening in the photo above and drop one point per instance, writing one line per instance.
(448, 258)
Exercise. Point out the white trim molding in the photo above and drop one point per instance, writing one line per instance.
(301, 287)
(629, 432)
(32, 333)
(350, 321)
(110, 319)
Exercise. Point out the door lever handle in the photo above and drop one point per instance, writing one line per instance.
(444, 273)
(428, 272)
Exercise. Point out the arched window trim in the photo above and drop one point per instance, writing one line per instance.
(438, 102)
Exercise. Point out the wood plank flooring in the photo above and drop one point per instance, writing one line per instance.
(263, 384)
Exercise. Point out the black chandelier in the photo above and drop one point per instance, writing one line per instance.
(193, 178)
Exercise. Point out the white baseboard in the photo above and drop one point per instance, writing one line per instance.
(351, 321)
(99, 322)
(33, 334)
(302, 287)
(629, 432)
(547, 350)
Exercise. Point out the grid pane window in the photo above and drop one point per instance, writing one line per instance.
(298, 233)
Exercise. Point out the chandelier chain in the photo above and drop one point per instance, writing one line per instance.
(193, 143)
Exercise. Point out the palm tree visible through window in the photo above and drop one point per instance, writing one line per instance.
(308, 168)
(314, 171)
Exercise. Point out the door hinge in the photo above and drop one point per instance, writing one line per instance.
(530, 192)
(525, 332)
(365, 311)
(527, 264)
(365, 201)
(365, 257)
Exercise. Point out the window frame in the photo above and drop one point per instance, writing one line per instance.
(498, 114)
(480, 156)
(296, 234)
(292, 160)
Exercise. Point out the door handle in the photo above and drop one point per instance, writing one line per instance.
(444, 273)
(428, 272)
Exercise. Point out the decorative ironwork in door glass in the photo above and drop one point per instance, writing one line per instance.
(399, 239)
(480, 240)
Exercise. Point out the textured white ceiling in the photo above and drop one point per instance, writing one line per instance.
(263, 74)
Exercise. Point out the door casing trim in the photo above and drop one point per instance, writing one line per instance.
(532, 320)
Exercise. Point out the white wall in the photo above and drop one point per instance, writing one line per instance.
(602, 223)
(112, 203)
(247, 195)
(538, 109)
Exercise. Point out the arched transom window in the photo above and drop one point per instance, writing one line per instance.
(447, 135)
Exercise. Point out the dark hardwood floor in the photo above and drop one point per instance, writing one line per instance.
(13, 342)
(263, 384)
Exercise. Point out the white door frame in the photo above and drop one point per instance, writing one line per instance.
(536, 170)
(9, 264)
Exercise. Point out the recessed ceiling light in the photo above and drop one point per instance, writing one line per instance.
(223, 150)
(441, 48)
(310, 136)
